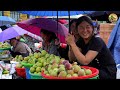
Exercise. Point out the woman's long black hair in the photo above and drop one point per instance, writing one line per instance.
(71, 22)
(52, 34)
(84, 18)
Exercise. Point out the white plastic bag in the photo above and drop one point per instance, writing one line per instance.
(118, 71)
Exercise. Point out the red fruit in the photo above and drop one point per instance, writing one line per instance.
(65, 61)
(68, 66)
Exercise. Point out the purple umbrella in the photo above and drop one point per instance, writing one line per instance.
(35, 25)
(11, 33)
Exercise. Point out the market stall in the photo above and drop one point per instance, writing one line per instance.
(42, 65)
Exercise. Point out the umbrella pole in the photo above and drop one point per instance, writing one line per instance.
(57, 22)
(69, 20)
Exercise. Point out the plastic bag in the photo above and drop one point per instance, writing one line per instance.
(118, 71)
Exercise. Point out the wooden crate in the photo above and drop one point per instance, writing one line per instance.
(105, 30)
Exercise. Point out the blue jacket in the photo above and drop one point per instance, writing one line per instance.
(114, 42)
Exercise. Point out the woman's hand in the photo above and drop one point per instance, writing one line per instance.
(70, 39)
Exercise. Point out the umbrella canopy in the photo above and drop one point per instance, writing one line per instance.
(103, 15)
(99, 13)
(0, 30)
(63, 21)
(11, 33)
(5, 26)
(4, 20)
(35, 25)
(55, 13)
(34, 36)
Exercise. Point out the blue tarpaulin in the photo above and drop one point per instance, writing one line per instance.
(114, 42)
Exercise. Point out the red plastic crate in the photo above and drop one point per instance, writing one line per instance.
(21, 72)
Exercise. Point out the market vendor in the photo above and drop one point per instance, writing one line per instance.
(92, 51)
(49, 39)
(65, 50)
(19, 48)
(21, 38)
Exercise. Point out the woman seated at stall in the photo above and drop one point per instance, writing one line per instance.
(48, 44)
(90, 50)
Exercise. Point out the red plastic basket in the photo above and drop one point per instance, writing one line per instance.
(21, 72)
(95, 73)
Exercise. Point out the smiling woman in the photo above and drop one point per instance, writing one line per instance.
(92, 51)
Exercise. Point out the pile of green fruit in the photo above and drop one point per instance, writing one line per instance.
(64, 69)
(42, 60)
(5, 71)
(18, 58)
(5, 45)
(53, 65)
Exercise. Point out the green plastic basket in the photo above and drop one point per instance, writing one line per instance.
(27, 65)
(5, 48)
(96, 77)
(35, 76)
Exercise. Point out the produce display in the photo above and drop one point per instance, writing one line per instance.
(52, 65)
(66, 70)
(4, 45)
(5, 71)
(4, 51)
(5, 54)
(19, 65)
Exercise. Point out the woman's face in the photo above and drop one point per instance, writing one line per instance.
(44, 36)
(85, 30)
(12, 42)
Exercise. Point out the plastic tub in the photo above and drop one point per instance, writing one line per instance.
(27, 65)
(5, 56)
(27, 73)
(35, 76)
(21, 72)
(27, 68)
(94, 75)
(2, 49)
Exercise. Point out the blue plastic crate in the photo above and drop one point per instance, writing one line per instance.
(27, 73)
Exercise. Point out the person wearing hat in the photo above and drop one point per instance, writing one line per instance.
(19, 48)
(21, 38)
